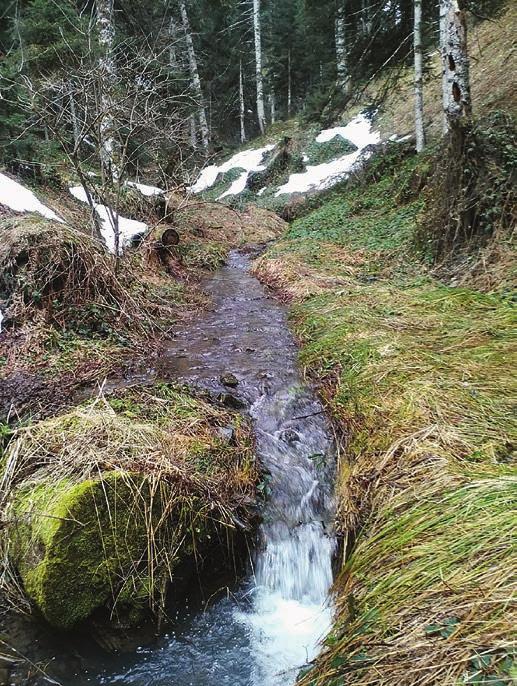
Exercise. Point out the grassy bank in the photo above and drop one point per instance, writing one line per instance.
(416, 373)
(107, 507)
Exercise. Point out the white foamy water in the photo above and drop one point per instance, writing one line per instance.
(293, 566)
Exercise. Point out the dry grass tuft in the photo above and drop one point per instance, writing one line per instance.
(164, 444)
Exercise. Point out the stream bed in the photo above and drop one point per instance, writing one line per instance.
(264, 629)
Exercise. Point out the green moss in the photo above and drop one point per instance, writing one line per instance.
(203, 254)
(76, 543)
(319, 153)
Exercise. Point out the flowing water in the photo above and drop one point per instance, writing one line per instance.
(264, 630)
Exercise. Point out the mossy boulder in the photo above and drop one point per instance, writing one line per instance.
(113, 504)
(81, 546)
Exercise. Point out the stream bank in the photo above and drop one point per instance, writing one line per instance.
(415, 373)
(268, 625)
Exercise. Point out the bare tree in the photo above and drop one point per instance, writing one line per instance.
(257, 29)
(242, 104)
(419, 80)
(455, 63)
(343, 76)
(107, 83)
(194, 75)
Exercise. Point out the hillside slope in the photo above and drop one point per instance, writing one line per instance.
(493, 65)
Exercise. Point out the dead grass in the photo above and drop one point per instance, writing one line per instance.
(215, 222)
(416, 375)
(162, 443)
(493, 64)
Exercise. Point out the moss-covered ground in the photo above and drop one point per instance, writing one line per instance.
(101, 504)
(417, 375)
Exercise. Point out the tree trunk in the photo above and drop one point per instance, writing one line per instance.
(272, 102)
(455, 63)
(242, 105)
(193, 131)
(289, 85)
(343, 77)
(107, 85)
(261, 110)
(194, 75)
(173, 57)
(366, 21)
(419, 82)
(73, 115)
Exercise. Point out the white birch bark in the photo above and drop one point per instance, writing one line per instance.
(343, 78)
(193, 131)
(455, 63)
(261, 110)
(242, 105)
(366, 21)
(419, 80)
(107, 85)
(272, 103)
(289, 85)
(194, 75)
(173, 57)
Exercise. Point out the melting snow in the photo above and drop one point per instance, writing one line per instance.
(21, 199)
(146, 190)
(128, 228)
(358, 131)
(249, 160)
(322, 176)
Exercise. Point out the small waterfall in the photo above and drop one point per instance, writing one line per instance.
(293, 565)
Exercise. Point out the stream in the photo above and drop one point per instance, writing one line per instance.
(263, 630)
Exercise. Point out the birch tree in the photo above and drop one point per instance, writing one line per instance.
(419, 82)
(257, 30)
(107, 84)
(455, 63)
(343, 77)
(242, 104)
(194, 76)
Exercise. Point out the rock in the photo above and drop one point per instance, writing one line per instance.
(227, 433)
(290, 436)
(71, 561)
(229, 380)
(229, 400)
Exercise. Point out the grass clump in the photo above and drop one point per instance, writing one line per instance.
(100, 505)
(415, 374)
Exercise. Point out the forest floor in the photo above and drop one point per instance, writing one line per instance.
(415, 374)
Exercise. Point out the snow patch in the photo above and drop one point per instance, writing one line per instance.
(323, 176)
(128, 228)
(249, 160)
(148, 191)
(358, 131)
(21, 199)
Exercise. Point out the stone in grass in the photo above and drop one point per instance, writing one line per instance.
(230, 380)
(78, 546)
